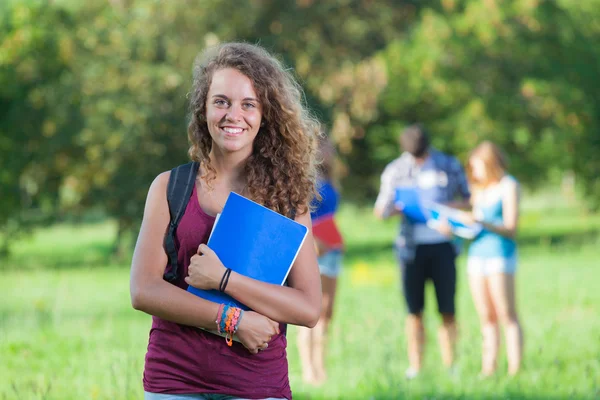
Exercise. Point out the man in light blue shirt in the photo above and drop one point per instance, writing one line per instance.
(424, 253)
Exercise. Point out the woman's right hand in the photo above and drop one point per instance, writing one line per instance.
(467, 218)
(255, 331)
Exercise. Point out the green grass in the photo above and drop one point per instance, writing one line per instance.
(67, 330)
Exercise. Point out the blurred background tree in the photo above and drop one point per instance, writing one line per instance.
(39, 113)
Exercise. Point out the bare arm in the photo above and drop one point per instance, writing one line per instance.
(384, 205)
(510, 213)
(149, 292)
(297, 304)
(379, 213)
(320, 247)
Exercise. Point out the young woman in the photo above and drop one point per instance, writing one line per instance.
(492, 257)
(329, 246)
(251, 134)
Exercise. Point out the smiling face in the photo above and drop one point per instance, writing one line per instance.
(233, 112)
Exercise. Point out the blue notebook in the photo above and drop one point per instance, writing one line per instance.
(254, 241)
(407, 200)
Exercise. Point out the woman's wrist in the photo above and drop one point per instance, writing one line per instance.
(228, 321)
(224, 280)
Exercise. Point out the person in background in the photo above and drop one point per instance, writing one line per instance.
(492, 256)
(424, 253)
(329, 247)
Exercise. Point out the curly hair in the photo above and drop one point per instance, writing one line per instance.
(281, 170)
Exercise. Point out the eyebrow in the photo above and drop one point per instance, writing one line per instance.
(227, 98)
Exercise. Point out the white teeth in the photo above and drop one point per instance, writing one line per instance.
(233, 131)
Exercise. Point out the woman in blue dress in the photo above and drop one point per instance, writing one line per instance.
(492, 257)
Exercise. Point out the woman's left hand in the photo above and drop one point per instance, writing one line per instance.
(205, 270)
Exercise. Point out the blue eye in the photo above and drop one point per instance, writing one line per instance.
(220, 102)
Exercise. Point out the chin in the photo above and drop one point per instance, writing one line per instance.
(235, 147)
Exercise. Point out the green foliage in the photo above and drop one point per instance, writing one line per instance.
(520, 74)
(93, 94)
(39, 110)
(134, 104)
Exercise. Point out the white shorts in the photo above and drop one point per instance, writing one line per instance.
(493, 265)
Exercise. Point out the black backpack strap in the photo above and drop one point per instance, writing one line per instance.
(179, 190)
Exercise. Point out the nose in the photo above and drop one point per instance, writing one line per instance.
(234, 113)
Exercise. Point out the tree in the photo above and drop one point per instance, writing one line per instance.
(39, 113)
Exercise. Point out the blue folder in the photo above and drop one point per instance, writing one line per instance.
(432, 214)
(254, 241)
(439, 212)
(407, 199)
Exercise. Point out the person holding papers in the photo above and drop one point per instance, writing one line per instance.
(492, 257)
(250, 134)
(329, 244)
(423, 174)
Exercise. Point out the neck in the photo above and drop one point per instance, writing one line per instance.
(494, 181)
(229, 167)
(489, 183)
(421, 160)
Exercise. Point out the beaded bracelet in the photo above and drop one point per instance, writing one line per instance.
(228, 321)
(219, 318)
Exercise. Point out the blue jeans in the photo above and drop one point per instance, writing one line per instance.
(160, 396)
(330, 263)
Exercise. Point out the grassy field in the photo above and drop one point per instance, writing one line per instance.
(67, 330)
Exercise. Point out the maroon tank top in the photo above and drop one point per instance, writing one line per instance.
(183, 359)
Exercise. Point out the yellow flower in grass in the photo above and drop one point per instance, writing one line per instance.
(363, 274)
(95, 392)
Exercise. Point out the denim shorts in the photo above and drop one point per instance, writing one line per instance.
(494, 265)
(330, 263)
(160, 396)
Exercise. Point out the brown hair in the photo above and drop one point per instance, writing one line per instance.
(281, 171)
(494, 160)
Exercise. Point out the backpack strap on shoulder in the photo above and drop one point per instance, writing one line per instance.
(179, 190)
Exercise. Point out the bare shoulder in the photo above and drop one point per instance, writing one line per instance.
(511, 190)
(156, 199)
(159, 185)
(510, 184)
(161, 180)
